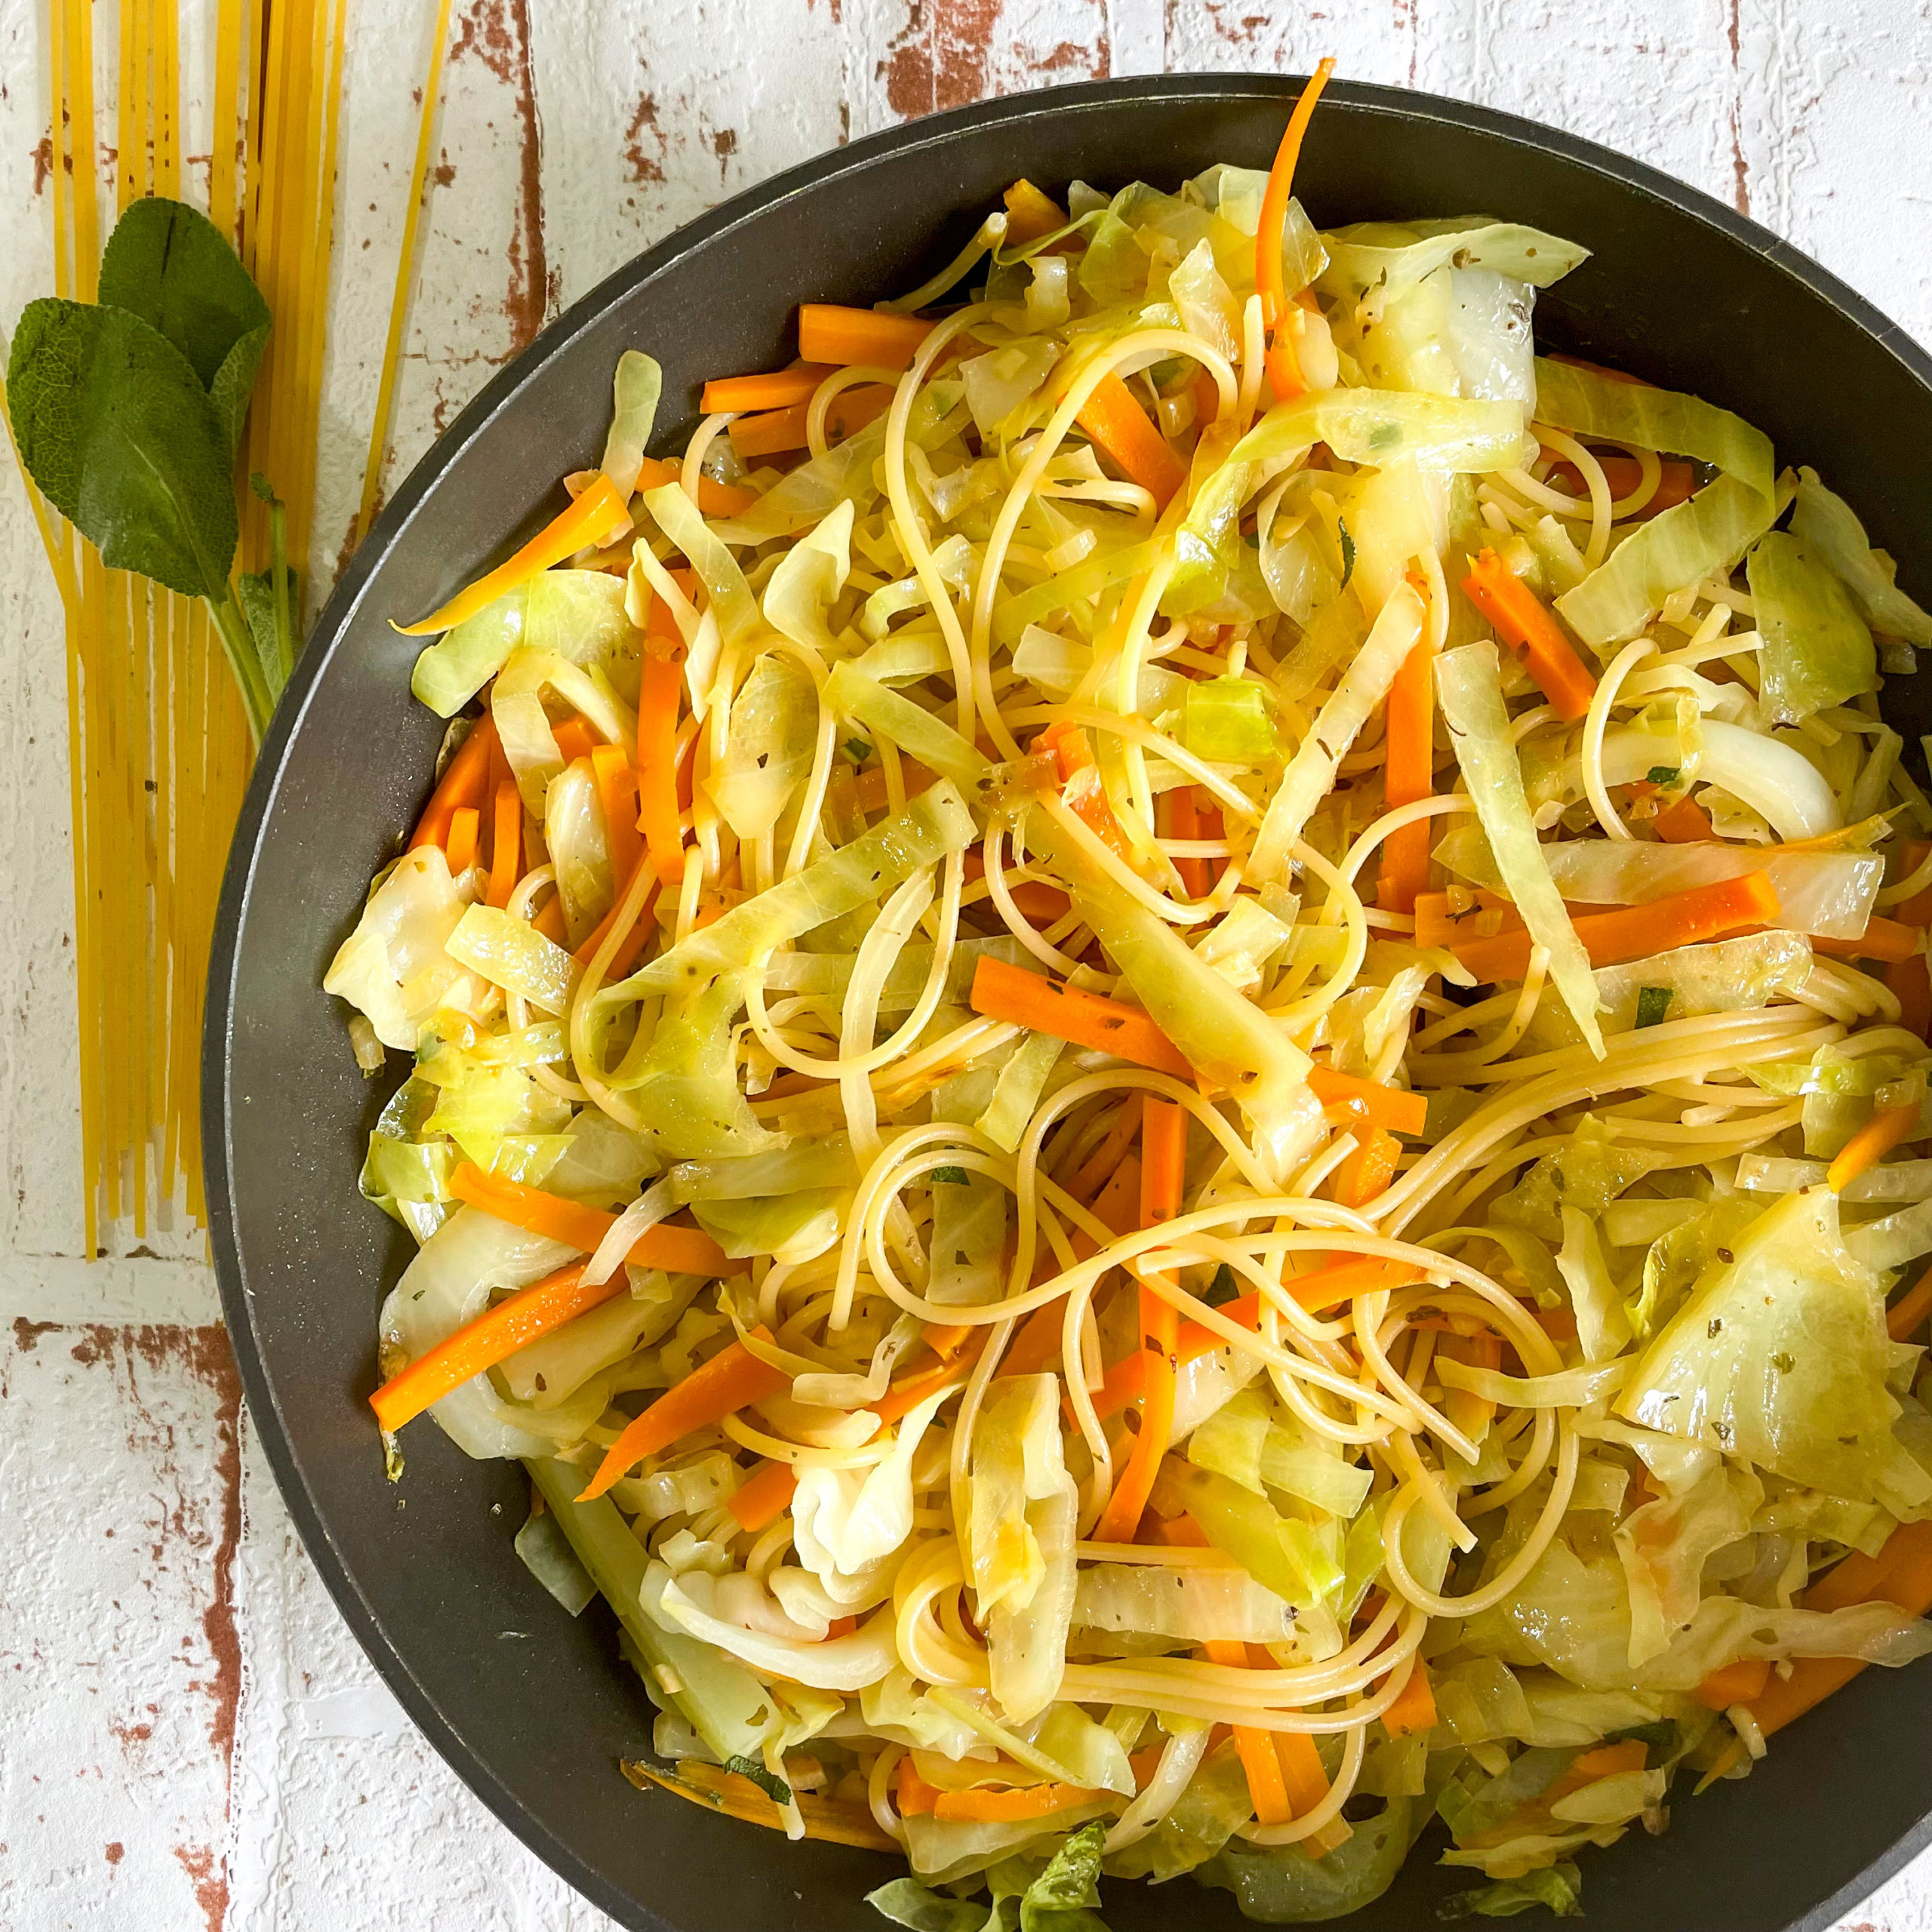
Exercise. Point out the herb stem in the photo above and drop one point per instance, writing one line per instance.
(257, 699)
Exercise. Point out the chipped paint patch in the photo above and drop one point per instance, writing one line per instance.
(120, 1653)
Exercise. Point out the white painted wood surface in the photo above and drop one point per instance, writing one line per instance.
(189, 1740)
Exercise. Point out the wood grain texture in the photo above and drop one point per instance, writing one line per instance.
(192, 1740)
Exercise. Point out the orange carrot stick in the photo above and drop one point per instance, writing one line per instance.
(1684, 822)
(1871, 1144)
(828, 333)
(1734, 1684)
(1033, 1800)
(1001, 991)
(916, 1797)
(1408, 777)
(1283, 369)
(1910, 1309)
(905, 1396)
(616, 793)
(628, 948)
(597, 517)
(1365, 1173)
(1353, 1098)
(732, 1379)
(1623, 473)
(1030, 214)
(506, 848)
(777, 389)
(1636, 932)
(1176, 816)
(776, 431)
(1082, 789)
(1120, 429)
(1900, 1574)
(760, 1502)
(713, 499)
(1115, 1206)
(461, 784)
(1521, 620)
(1163, 1153)
(494, 1337)
(1303, 1779)
(464, 834)
(677, 1251)
(1265, 1790)
(1890, 940)
(660, 685)
(1414, 1707)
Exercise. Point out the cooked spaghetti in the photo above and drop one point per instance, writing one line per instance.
(1167, 1038)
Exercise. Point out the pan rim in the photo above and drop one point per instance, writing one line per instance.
(442, 1728)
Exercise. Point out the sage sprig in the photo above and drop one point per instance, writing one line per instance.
(128, 412)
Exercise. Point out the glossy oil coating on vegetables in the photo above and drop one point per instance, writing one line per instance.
(1169, 1068)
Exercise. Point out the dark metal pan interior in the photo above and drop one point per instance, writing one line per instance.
(534, 1710)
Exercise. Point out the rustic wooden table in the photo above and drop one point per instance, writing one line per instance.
(191, 1739)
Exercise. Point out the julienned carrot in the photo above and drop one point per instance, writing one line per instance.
(1163, 1162)
(549, 920)
(1520, 619)
(1365, 1173)
(1636, 932)
(775, 431)
(732, 1379)
(1317, 1291)
(659, 684)
(1408, 777)
(1176, 816)
(1414, 1707)
(981, 1805)
(494, 1337)
(616, 793)
(462, 783)
(1323, 1288)
(1001, 991)
(1105, 1158)
(677, 1251)
(1901, 1574)
(1623, 473)
(1304, 1780)
(597, 517)
(1121, 429)
(713, 499)
(1891, 940)
(464, 836)
(759, 1503)
(1083, 790)
(828, 333)
(1871, 1144)
(573, 739)
(1030, 214)
(1283, 369)
(869, 789)
(625, 956)
(906, 1394)
(1368, 1101)
(1734, 1684)
(916, 1797)
(777, 389)
(1684, 822)
(1265, 1789)
(1115, 1206)
(506, 845)
(1910, 1309)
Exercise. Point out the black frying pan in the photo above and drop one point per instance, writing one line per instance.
(534, 1710)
